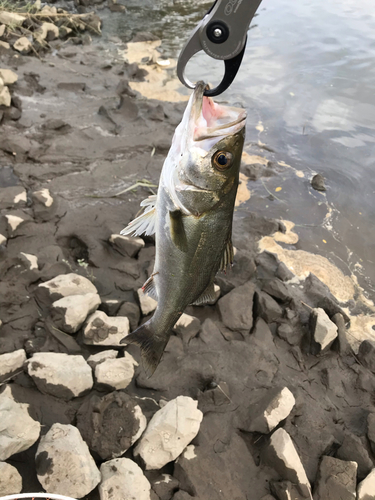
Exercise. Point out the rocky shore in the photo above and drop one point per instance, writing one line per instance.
(262, 395)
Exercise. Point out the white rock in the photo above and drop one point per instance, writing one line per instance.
(169, 432)
(366, 488)
(13, 222)
(21, 197)
(116, 373)
(49, 10)
(10, 480)
(126, 245)
(5, 98)
(23, 45)
(148, 304)
(18, 431)
(63, 286)
(325, 331)
(9, 77)
(3, 240)
(69, 313)
(11, 362)
(5, 45)
(11, 18)
(283, 457)
(30, 260)
(2, 29)
(96, 359)
(64, 464)
(101, 329)
(267, 413)
(123, 479)
(187, 327)
(60, 375)
(43, 196)
(47, 31)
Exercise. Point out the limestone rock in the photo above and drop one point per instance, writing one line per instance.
(285, 490)
(132, 312)
(111, 424)
(354, 449)
(69, 313)
(43, 196)
(165, 486)
(2, 29)
(116, 373)
(8, 76)
(47, 31)
(11, 18)
(366, 488)
(267, 308)
(64, 464)
(13, 222)
(10, 480)
(169, 432)
(322, 328)
(101, 329)
(95, 359)
(187, 327)
(11, 362)
(122, 479)
(31, 261)
(267, 413)
(148, 304)
(4, 45)
(60, 375)
(22, 45)
(282, 455)
(5, 98)
(18, 431)
(63, 286)
(3, 240)
(126, 245)
(236, 308)
(336, 480)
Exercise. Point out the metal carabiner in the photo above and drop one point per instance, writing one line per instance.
(222, 34)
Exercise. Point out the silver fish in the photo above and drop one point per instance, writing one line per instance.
(191, 217)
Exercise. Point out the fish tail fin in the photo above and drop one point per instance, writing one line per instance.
(152, 346)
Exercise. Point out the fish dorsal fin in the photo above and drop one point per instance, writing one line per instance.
(149, 287)
(145, 223)
(208, 296)
(228, 255)
(177, 229)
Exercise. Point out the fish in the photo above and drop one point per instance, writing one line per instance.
(191, 217)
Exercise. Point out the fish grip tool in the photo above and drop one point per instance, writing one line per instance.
(222, 34)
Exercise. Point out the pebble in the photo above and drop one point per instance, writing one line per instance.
(95, 359)
(2, 29)
(236, 308)
(126, 245)
(169, 432)
(47, 31)
(101, 329)
(165, 486)
(282, 455)
(5, 45)
(148, 304)
(323, 330)
(354, 449)
(267, 413)
(132, 312)
(69, 313)
(11, 362)
(43, 196)
(116, 373)
(63, 286)
(61, 375)
(11, 18)
(123, 479)
(366, 488)
(187, 327)
(18, 431)
(285, 490)
(23, 45)
(111, 424)
(317, 182)
(366, 354)
(371, 430)
(64, 464)
(10, 480)
(267, 308)
(13, 222)
(5, 97)
(8, 76)
(336, 480)
(30, 260)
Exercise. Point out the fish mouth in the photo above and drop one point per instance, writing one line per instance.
(209, 120)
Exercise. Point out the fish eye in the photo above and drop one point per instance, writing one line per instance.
(222, 160)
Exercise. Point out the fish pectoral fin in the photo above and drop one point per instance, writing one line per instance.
(227, 257)
(145, 223)
(177, 229)
(152, 346)
(149, 287)
(207, 296)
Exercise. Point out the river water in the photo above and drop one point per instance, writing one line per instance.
(308, 82)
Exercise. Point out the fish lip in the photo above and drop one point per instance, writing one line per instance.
(198, 94)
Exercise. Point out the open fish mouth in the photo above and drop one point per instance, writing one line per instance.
(209, 120)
